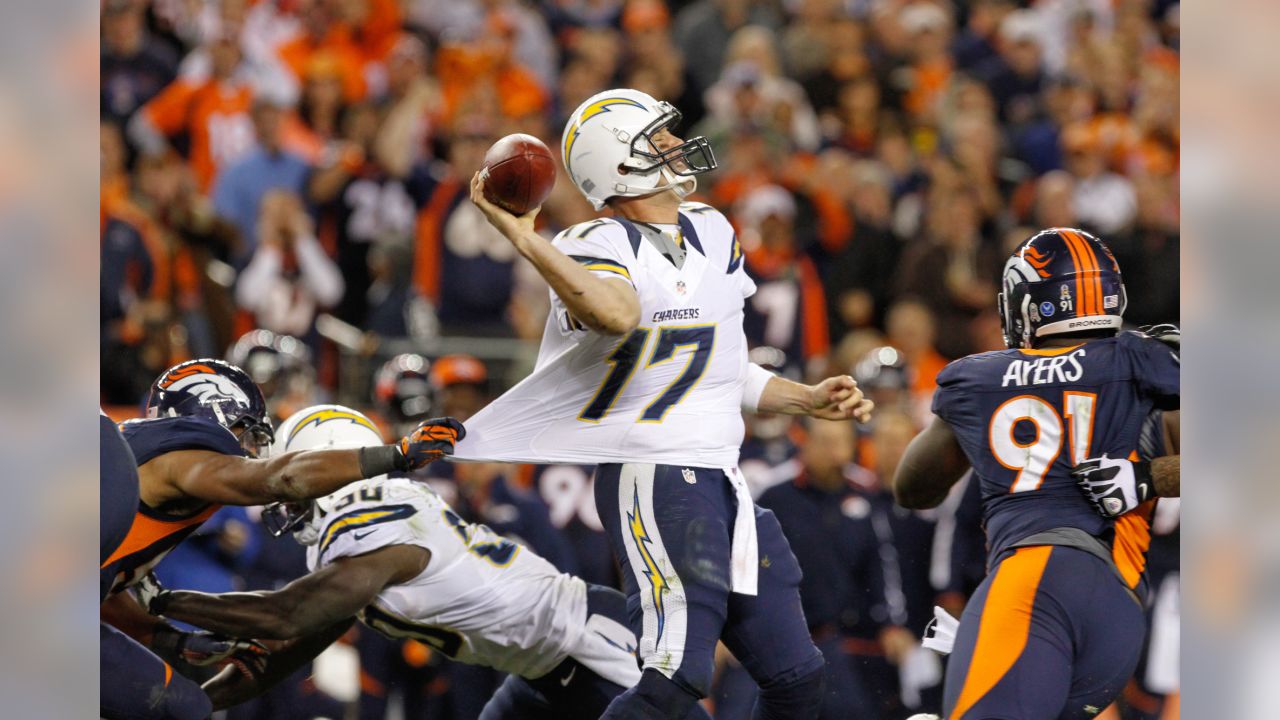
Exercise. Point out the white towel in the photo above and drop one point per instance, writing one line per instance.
(744, 559)
(940, 633)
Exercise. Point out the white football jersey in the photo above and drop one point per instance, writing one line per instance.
(670, 393)
(483, 599)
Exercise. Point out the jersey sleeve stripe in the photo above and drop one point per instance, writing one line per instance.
(602, 264)
(363, 518)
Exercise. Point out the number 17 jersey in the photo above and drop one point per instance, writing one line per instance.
(668, 393)
(1025, 417)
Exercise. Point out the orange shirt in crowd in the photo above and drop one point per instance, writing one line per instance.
(462, 70)
(215, 116)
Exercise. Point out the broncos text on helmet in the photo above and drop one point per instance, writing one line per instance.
(609, 151)
(1060, 281)
(217, 390)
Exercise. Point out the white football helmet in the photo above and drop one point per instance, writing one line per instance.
(319, 427)
(608, 150)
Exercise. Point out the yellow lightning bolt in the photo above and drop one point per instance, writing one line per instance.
(592, 110)
(657, 581)
(327, 414)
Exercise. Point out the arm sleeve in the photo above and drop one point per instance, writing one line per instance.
(255, 280)
(320, 274)
(603, 248)
(757, 379)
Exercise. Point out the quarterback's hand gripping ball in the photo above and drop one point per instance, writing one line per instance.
(1114, 485)
(432, 440)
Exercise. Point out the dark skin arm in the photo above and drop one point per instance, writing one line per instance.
(231, 480)
(1166, 475)
(123, 612)
(305, 606)
(932, 463)
(231, 687)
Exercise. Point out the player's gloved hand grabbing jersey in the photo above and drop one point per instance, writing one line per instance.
(1167, 333)
(1115, 485)
(431, 440)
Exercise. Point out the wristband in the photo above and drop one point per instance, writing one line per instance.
(757, 378)
(375, 461)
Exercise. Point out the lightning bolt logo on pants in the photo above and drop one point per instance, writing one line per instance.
(657, 581)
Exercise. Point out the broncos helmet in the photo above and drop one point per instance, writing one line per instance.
(1060, 281)
(403, 391)
(216, 390)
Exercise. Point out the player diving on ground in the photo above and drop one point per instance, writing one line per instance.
(392, 553)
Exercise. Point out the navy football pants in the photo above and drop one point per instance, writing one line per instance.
(137, 685)
(671, 529)
(1050, 634)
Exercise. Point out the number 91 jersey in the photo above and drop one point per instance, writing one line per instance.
(482, 600)
(668, 393)
(1025, 417)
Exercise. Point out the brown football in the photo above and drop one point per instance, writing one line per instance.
(520, 173)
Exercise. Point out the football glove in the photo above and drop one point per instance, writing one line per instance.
(151, 594)
(430, 441)
(202, 648)
(1114, 485)
(1167, 333)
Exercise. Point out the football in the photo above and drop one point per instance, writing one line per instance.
(519, 173)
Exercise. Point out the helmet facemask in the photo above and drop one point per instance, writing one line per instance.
(284, 517)
(680, 164)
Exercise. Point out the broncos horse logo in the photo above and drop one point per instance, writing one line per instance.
(206, 385)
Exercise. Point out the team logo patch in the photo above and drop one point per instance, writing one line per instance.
(1110, 301)
(1046, 309)
(681, 289)
(1065, 301)
(689, 476)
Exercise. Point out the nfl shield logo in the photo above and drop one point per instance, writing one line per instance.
(689, 477)
(680, 289)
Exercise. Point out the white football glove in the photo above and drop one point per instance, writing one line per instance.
(1114, 485)
(940, 633)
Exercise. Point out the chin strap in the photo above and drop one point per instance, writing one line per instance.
(681, 185)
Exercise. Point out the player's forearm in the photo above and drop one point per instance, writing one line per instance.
(606, 306)
(785, 396)
(311, 474)
(932, 463)
(256, 615)
(1166, 475)
(124, 613)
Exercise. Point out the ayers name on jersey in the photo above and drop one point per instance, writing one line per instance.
(1025, 417)
(482, 600)
(670, 392)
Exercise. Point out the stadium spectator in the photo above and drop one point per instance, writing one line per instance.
(135, 65)
(1016, 76)
(289, 279)
(830, 530)
(240, 187)
(751, 61)
(788, 310)
(1104, 201)
(702, 31)
(911, 329)
(212, 110)
(461, 264)
(461, 383)
(861, 276)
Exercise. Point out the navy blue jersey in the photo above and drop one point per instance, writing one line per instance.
(153, 533)
(1025, 417)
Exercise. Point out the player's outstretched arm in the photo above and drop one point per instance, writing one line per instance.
(303, 607)
(932, 463)
(836, 398)
(233, 686)
(303, 475)
(604, 305)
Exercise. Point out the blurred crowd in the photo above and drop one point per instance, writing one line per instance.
(284, 183)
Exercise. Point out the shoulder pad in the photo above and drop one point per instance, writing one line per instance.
(151, 438)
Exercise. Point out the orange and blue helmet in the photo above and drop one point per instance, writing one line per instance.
(1060, 281)
(217, 390)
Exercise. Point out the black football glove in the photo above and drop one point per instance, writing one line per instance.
(1114, 485)
(431, 440)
